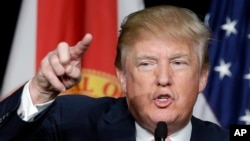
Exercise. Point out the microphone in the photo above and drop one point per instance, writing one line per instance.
(161, 131)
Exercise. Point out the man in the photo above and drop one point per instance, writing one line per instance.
(162, 65)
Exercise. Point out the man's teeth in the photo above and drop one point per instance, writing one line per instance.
(163, 98)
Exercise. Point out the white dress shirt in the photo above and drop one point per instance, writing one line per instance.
(27, 110)
(182, 135)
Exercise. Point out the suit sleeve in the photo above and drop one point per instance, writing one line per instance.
(12, 127)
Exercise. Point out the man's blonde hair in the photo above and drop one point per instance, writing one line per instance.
(167, 22)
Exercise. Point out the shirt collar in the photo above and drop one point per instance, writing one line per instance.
(181, 135)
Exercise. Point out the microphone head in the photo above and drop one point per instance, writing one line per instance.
(161, 131)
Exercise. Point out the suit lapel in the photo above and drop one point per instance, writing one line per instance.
(199, 130)
(196, 133)
(117, 124)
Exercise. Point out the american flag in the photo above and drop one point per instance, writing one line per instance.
(228, 88)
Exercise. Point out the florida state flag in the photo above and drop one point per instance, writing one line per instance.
(42, 24)
(69, 20)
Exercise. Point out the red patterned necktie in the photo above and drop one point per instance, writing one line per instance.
(167, 139)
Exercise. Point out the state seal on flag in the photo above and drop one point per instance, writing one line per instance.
(96, 83)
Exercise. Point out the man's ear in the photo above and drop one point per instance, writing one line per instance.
(203, 80)
(122, 79)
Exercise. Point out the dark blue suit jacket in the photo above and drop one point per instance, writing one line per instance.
(81, 118)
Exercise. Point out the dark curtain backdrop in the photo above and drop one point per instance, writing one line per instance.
(8, 14)
(10, 9)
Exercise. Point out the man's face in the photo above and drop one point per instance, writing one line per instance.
(161, 81)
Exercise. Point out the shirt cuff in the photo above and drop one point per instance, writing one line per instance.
(27, 110)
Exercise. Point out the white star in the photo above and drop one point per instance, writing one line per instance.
(247, 76)
(206, 19)
(229, 26)
(246, 117)
(248, 36)
(223, 69)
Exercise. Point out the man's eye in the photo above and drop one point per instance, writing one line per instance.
(144, 64)
(178, 63)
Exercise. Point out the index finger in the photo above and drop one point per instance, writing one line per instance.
(78, 50)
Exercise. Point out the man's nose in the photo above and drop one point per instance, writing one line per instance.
(164, 75)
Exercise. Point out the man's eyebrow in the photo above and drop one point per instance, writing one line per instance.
(180, 55)
(145, 57)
